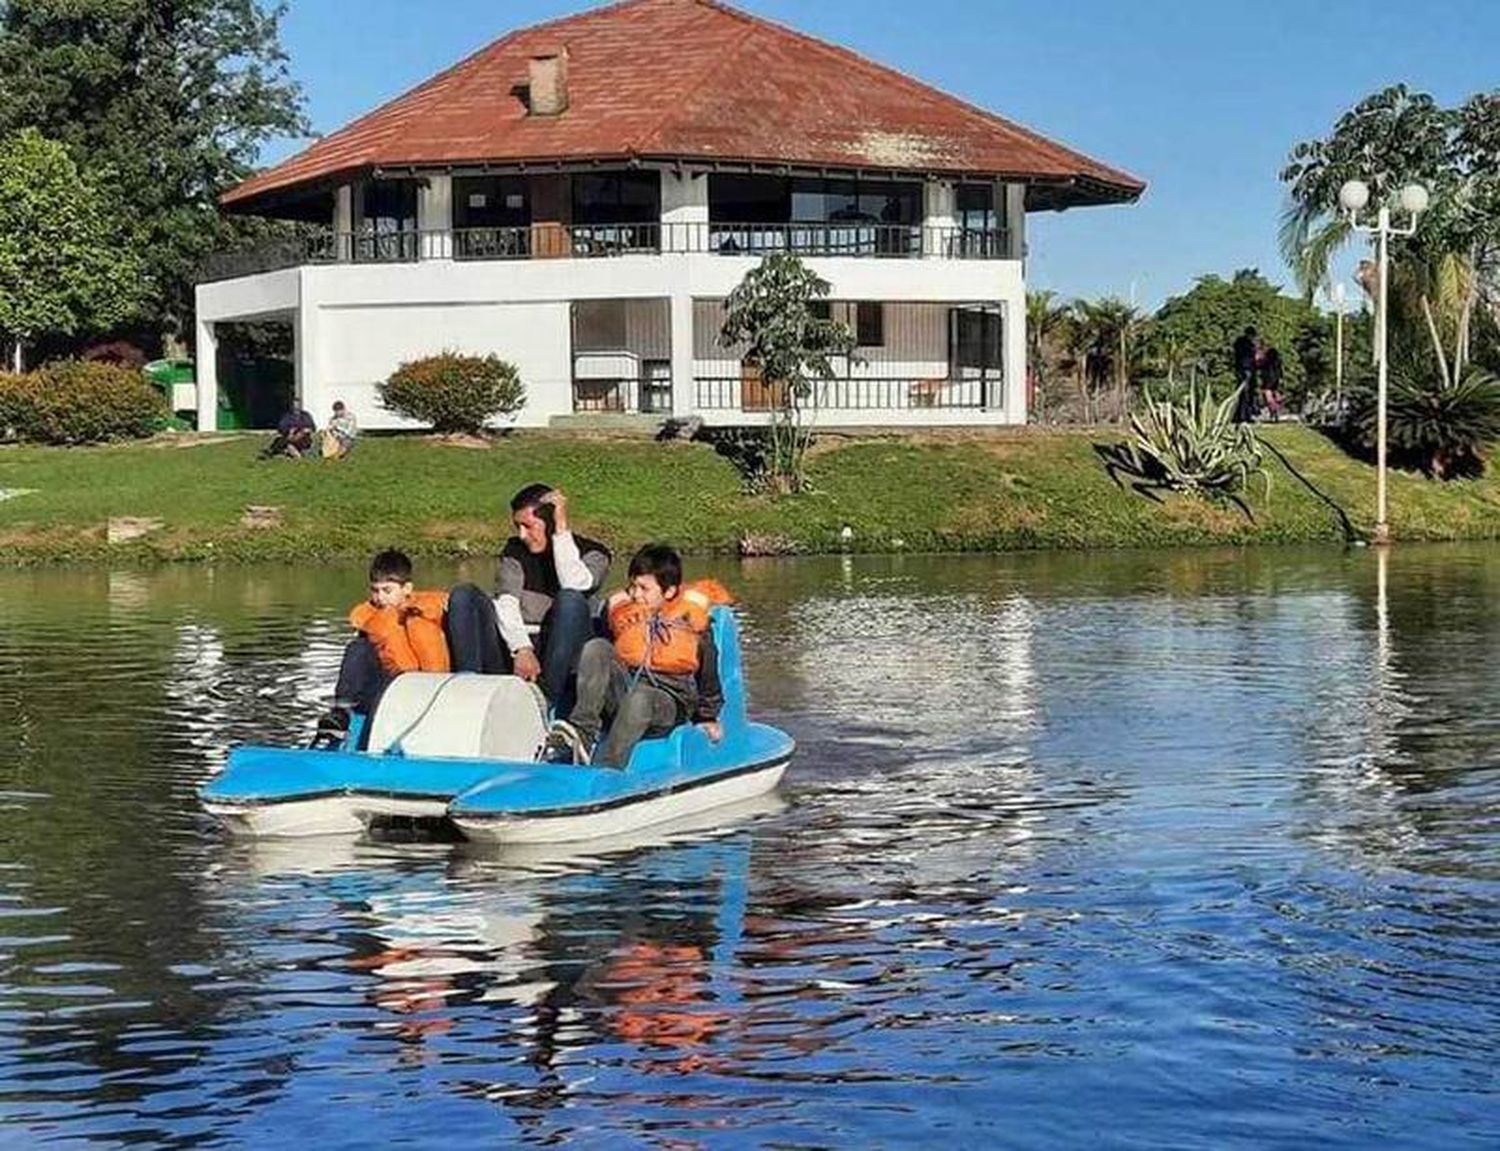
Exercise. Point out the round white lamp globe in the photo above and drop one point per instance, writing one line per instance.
(1414, 198)
(1354, 195)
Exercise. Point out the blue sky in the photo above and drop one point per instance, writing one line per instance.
(1201, 98)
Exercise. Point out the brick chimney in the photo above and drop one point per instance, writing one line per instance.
(548, 88)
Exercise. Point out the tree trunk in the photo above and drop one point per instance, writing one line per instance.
(1437, 341)
(17, 363)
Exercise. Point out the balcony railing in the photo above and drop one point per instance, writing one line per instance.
(652, 397)
(864, 393)
(590, 241)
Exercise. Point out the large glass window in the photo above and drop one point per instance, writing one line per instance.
(976, 207)
(491, 202)
(974, 340)
(387, 228)
(981, 220)
(617, 198)
(814, 215)
(812, 200)
(749, 199)
(491, 217)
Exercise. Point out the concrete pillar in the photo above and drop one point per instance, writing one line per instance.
(939, 218)
(305, 361)
(1015, 220)
(206, 372)
(435, 218)
(1013, 337)
(684, 398)
(684, 212)
(343, 223)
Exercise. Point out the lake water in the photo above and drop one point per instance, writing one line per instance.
(1130, 850)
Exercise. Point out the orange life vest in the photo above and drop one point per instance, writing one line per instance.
(409, 637)
(666, 640)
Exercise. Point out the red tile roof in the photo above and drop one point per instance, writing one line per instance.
(695, 81)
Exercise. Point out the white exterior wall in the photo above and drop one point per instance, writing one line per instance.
(357, 322)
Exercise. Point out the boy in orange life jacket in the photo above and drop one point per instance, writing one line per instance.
(400, 629)
(661, 670)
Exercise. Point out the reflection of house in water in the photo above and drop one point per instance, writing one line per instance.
(919, 713)
(911, 665)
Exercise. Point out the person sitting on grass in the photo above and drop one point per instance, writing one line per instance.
(294, 434)
(400, 629)
(339, 436)
(661, 669)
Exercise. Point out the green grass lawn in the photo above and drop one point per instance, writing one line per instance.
(1027, 488)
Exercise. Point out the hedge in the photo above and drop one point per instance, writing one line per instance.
(74, 402)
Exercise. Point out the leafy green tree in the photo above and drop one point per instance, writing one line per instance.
(770, 319)
(64, 267)
(1199, 328)
(165, 102)
(1443, 274)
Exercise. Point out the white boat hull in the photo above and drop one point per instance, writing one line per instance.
(622, 818)
(325, 815)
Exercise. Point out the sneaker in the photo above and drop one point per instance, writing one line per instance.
(332, 732)
(565, 744)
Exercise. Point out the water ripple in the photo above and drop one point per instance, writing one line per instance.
(1137, 850)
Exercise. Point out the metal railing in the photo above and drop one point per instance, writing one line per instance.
(590, 241)
(652, 397)
(850, 394)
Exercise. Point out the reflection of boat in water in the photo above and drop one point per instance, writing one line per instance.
(427, 931)
(463, 746)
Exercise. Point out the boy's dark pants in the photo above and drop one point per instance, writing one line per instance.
(637, 707)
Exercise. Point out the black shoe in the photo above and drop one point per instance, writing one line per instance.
(332, 732)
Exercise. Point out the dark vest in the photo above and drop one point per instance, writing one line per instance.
(539, 573)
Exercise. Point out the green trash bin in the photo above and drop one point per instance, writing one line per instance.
(166, 375)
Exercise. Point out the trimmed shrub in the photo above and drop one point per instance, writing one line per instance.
(454, 393)
(74, 402)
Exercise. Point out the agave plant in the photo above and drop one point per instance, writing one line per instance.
(1188, 446)
(1444, 429)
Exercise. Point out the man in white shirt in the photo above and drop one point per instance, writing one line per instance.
(542, 613)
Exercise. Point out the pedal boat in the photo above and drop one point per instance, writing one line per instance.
(464, 746)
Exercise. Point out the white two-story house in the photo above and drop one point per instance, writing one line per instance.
(581, 196)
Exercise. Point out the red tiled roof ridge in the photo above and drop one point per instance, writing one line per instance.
(889, 72)
(708, 69)
(389, 136)
(494, 47)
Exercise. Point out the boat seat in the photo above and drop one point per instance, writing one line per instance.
(460, 716)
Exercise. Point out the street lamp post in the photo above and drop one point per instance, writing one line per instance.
(1338, 350)
(1354, 196)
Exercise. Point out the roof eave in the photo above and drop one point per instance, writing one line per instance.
(1044, 192)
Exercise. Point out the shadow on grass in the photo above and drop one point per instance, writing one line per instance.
(1119, 461)
(1350, 535)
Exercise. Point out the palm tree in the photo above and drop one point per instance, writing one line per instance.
(1112, 325)
(1046, 321)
